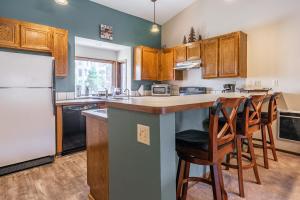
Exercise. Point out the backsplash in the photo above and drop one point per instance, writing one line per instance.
(65, 96)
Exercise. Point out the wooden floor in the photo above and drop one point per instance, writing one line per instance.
(66, 180)
(63, 180)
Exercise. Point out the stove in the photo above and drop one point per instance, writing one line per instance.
(184, 91)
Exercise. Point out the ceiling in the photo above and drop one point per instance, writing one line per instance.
(166, 9)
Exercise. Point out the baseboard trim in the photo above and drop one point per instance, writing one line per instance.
(25, 165)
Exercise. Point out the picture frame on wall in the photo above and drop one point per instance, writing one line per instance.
(106, 32)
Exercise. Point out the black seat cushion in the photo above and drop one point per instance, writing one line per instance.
(193, 139)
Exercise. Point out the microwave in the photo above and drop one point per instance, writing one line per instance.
(161, 90)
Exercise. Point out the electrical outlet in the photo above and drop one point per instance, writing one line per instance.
(143, 134)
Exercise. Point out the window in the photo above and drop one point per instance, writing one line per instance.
(93, 76)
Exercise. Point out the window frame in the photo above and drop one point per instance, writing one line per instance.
(116, 74)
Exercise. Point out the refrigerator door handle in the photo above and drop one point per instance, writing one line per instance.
(53, 90)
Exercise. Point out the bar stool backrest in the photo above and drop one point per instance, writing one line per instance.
(251, 117)
(273, 107)
(224, 134)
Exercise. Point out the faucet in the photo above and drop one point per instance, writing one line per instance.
(106, 93)
(127, 92)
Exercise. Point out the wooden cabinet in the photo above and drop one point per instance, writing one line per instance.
(36, 37)
(146, 63)
(166, 71)
(193, 51)
(225, 56)
(210, 58)
(60, 51)
(9, 33)
(180, 53)
(228, 56)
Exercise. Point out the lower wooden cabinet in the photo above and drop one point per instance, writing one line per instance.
(36, 37)
(210, 58)
(146, 63)
(9, 33)
(60, 52)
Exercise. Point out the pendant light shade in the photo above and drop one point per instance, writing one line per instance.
(155, 27)
(62, 2)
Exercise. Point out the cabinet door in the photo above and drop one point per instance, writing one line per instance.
(60, 52)
(167, 65)
(210, 58)
(228, 56)
(180, 54)
(150, 64)
(193, 51)
(9, 33)
(36, 37)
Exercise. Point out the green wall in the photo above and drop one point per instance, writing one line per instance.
(82, 18)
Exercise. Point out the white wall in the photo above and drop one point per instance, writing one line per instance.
(97, 53)
(126, 55)
(273, 28)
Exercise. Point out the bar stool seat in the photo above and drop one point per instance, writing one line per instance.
(207, 148)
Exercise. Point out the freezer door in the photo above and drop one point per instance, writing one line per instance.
(27, 125)
(25, 70)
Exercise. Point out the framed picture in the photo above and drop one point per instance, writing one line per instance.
(106, 32)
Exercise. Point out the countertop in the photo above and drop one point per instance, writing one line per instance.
(163, 105)
(96, 113)
(79, 101)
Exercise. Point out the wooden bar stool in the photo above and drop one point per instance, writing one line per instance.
(248, 122)
(207, 148)
(267, 121)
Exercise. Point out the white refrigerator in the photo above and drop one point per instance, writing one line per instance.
(27, 111)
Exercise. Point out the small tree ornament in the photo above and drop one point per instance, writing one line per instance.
(192, 36)
(200, 37)
(184, 40)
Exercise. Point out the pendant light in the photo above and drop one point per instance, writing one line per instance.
(62, 2)
(154, 28)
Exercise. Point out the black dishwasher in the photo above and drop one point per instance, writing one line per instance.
(74, 128)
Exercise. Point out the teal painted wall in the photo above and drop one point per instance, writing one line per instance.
(82, 18)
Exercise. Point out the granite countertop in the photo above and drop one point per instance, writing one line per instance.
(79, 101)
(96, 113)
(163, 105)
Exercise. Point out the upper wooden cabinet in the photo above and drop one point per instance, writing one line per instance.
(60, 51)
(193, 51)
(9, 33)
(210, 58)
(146, 63)
(225, 56)
(36, 37)
(167, 65)
(180, 53)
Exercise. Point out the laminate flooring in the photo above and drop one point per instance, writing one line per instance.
(66, 180)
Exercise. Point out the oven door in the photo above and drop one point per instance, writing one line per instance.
(289, 126)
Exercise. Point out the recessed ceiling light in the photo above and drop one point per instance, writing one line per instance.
(62, 2)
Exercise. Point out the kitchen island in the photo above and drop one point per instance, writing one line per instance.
(146, 169)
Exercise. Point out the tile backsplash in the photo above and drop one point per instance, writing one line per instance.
(65, 96)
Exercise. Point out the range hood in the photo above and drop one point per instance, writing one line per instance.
(188, 65)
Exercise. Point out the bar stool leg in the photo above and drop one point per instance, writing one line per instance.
(254, 161)
(180, 176)
(240, 165)
(265, 146)
(216, 185)
(270, 131)
(228, 157)
(186, 176)
(224, 193)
